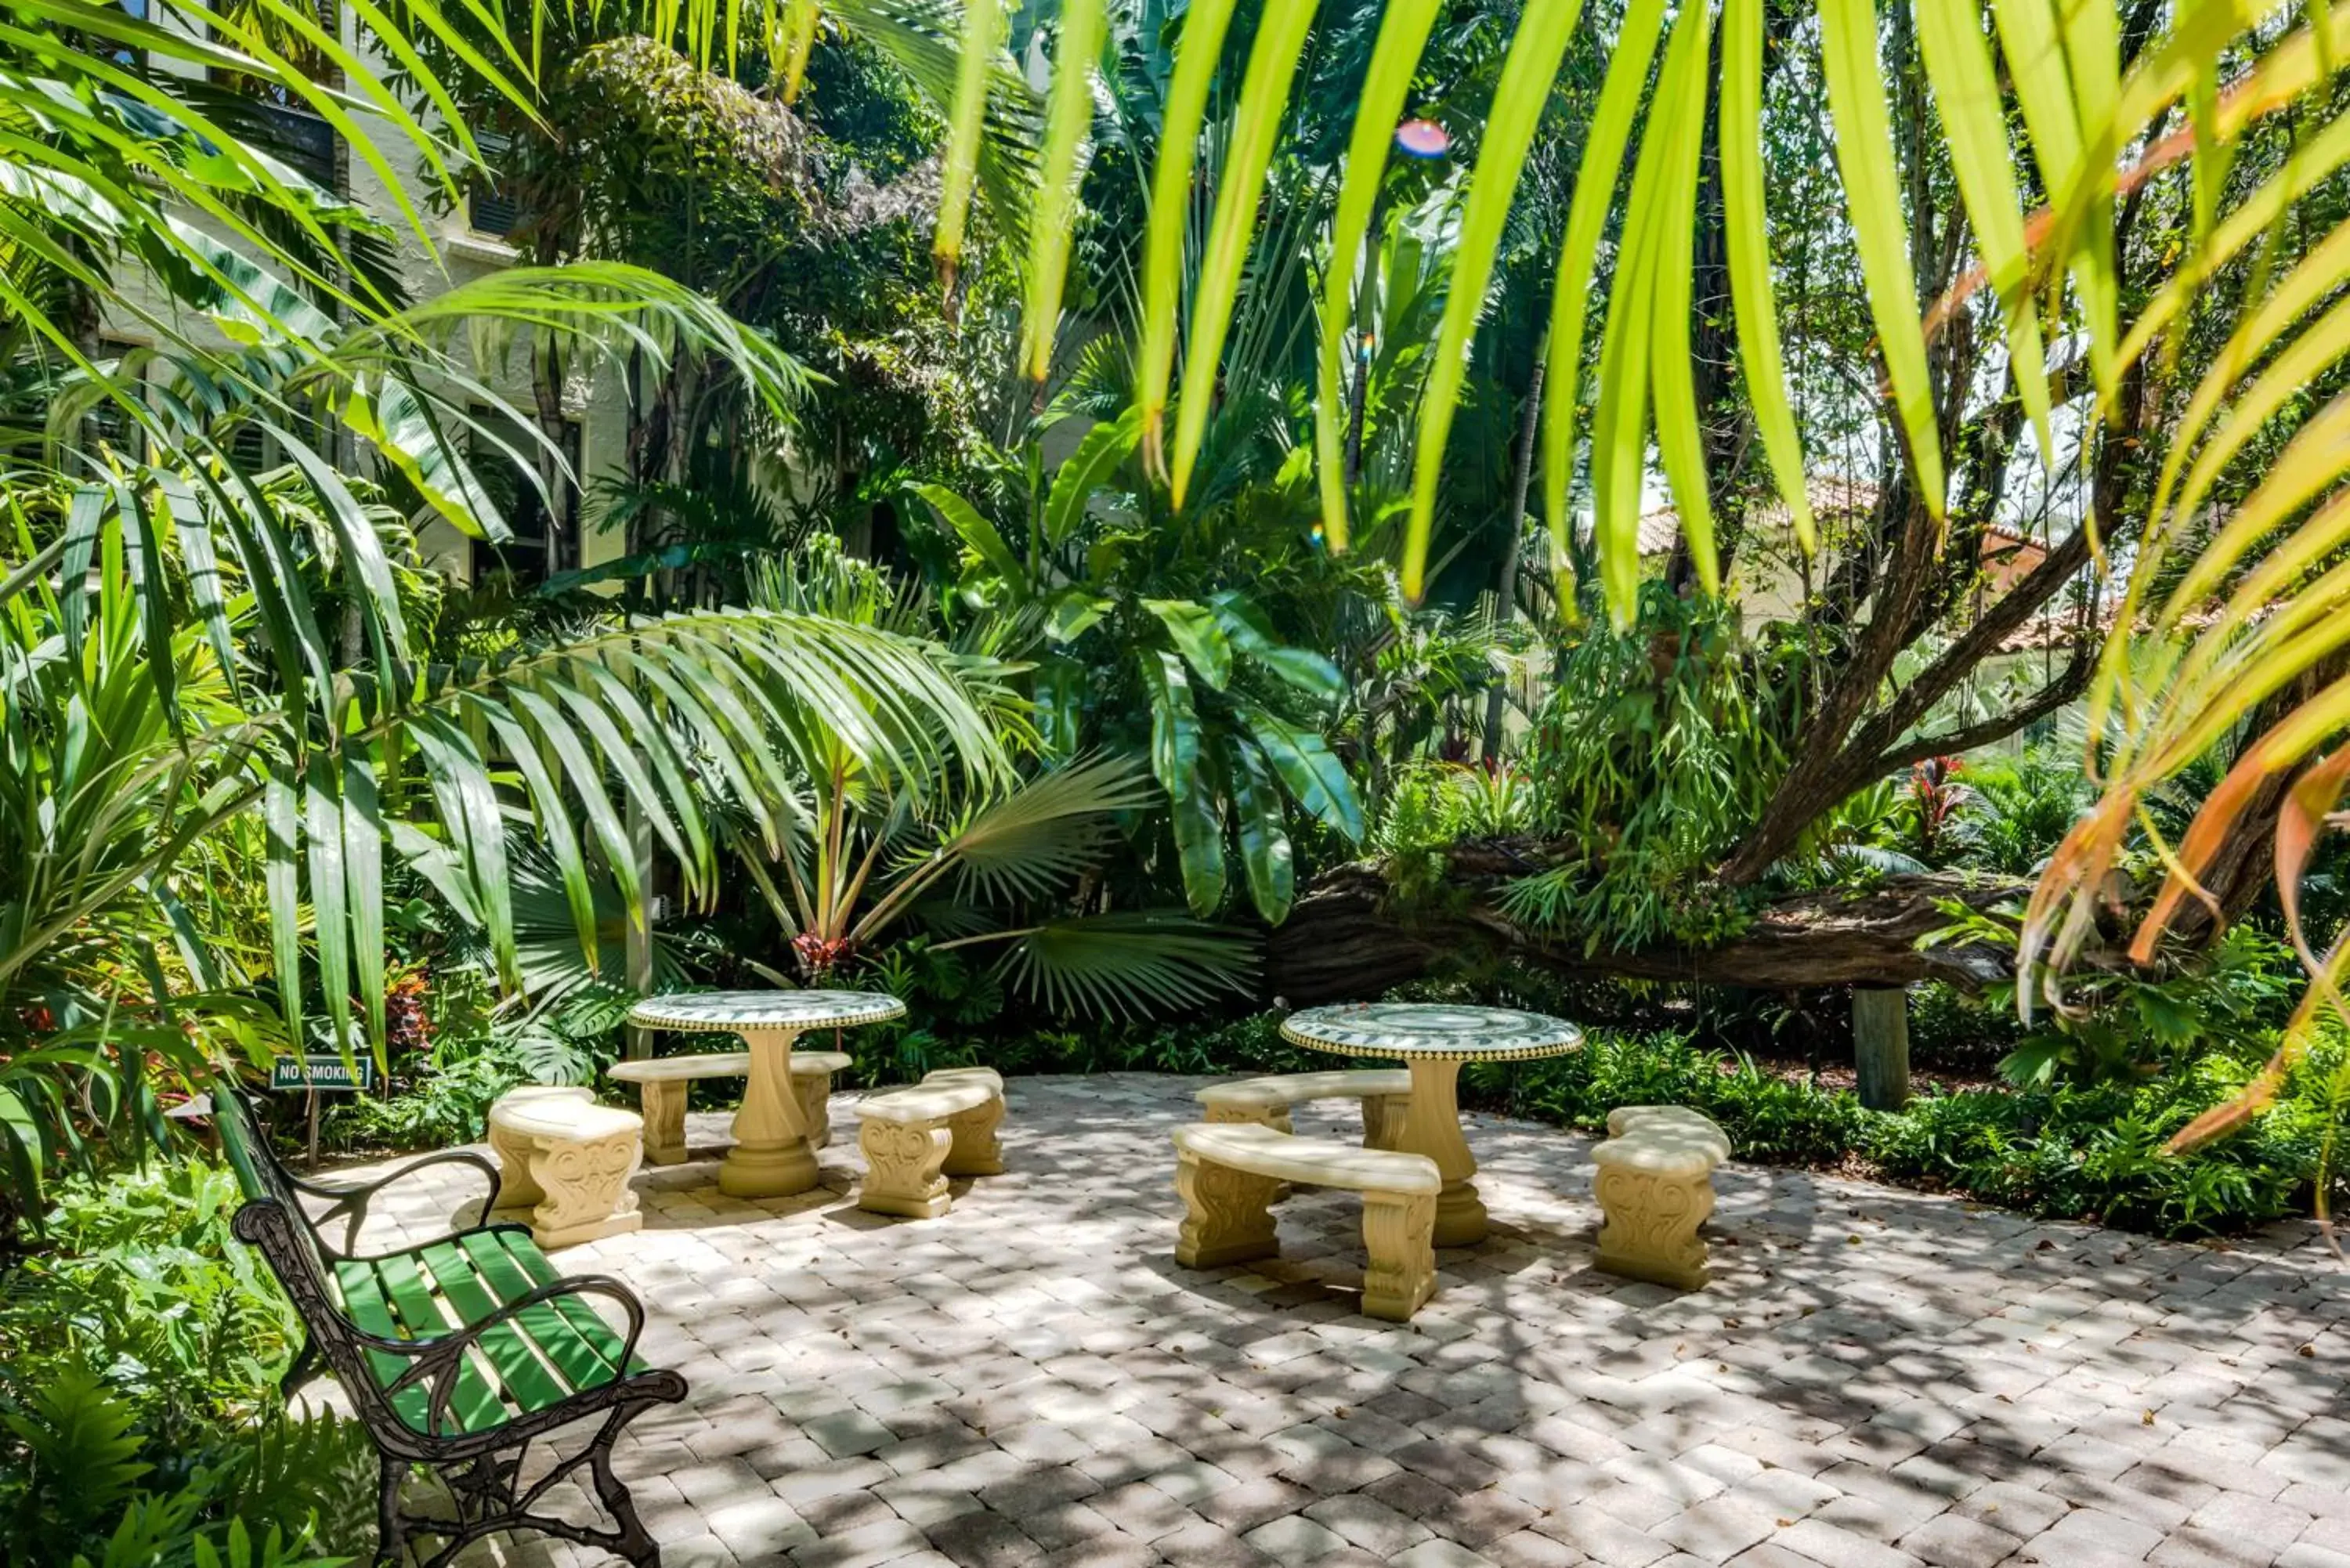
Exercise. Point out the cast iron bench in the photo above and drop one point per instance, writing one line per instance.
(456, 1355)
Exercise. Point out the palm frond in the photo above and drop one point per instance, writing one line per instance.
(1133, 965)
(1030, 841)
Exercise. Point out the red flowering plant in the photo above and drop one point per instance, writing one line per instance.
(407, 1021)
(1935, 796)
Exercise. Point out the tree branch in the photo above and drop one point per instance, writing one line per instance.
(1805, 789)
(1998, 727)
(1350, 937)
(1984, 637)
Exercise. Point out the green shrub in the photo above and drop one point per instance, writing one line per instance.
(1649, 758)
(2128, 1022)
(84, 1485)
(439, 1095)
(140, 1423)
(2017, 809)
(1950, 1027)
(140, 1278)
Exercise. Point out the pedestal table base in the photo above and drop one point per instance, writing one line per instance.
(771, 1156)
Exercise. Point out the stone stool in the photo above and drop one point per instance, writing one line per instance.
(1655, 1187)
(906, 1139)
(565, 1163)
(1626, 1117)
(517, 1190)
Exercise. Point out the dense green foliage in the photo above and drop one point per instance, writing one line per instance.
(140, 1424)
(1656, 748)
(1017, 667)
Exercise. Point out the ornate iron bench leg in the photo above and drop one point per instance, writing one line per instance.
(391, 1531)
(633, 1540)
(301, 1370)
(489, 1502)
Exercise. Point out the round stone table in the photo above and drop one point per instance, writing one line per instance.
(1433, 1039)
(771, 1156)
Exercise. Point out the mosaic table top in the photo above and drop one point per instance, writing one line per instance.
(732, 1011)
(1432, 1031)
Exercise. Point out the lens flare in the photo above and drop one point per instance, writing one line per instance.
(1422, 138)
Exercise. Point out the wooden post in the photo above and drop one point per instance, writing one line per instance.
(1880, 1046)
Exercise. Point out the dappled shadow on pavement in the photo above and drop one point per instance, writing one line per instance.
(1874, 1377)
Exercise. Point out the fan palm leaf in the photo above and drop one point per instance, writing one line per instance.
(1130, 964)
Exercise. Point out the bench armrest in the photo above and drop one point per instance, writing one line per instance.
(436, 1357)
(350, 1199)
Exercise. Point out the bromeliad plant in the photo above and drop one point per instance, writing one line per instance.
(1005, 864)
(1002, 872)
(1936, 797)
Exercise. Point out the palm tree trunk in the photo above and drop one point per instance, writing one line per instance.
(1520, 477)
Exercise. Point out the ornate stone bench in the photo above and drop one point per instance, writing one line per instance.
(1384, 1094)
(1230, 1174)
(662, 1084)
(914, 1138)
(458, 1355)
(564, 1163)
(812, 1074)
(1655, 1187)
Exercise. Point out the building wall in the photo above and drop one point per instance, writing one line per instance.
(594, 399)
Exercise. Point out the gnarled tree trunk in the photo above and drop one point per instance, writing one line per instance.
(1349, 939)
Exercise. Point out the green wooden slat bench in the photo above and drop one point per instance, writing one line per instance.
(456, 1355)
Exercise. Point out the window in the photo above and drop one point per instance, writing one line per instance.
(544, 542)
(278, 120)
(300, 138)
(249, 448)
(490, 210)
(492, 207)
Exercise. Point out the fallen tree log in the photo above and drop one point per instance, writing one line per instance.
(1348, 938)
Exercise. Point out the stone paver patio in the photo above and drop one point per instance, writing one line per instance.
(1875, 1380)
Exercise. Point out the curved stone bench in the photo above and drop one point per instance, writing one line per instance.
(566, 1161)
(662, 1083)
(812, 1074)
(907, 1137)
(1384, 1094)
(1655, 1187)
(1230, 1174)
